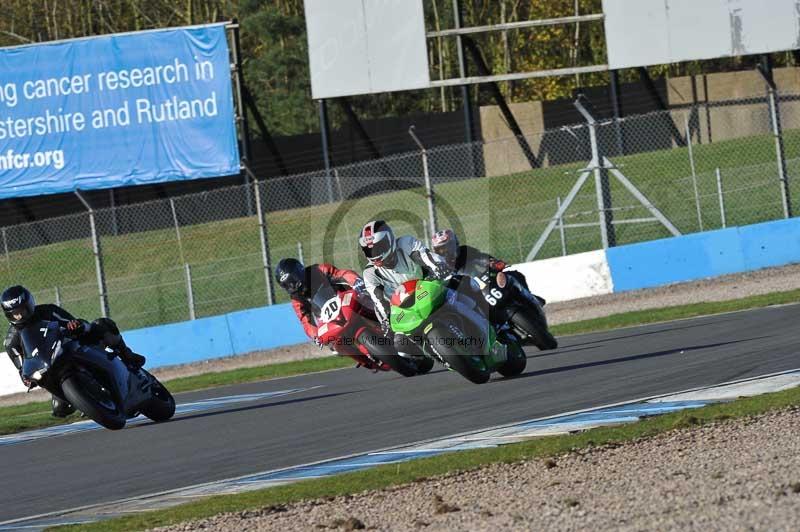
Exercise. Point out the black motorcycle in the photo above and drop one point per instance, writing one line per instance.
(509, 301)
(93, 380)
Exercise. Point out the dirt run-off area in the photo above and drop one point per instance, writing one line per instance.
(733, 475)
(724, 288)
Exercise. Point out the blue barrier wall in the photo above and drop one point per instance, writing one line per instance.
(218, 336)
(701, 255)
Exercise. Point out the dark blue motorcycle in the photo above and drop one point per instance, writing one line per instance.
(93, 380)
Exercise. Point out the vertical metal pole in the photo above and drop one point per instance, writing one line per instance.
(602, 186)
(5, 245)
(429, 194)
(58, 296)
(617, 107)
(694, 172)
(780, 152)
(238, 78)
(462, 71)
(300, 252)
(561, 228)
(98, 258)
(605, 224)
(324, 129)
(262, 230)
(177, 230)
(721, 199)
(112, 203)
(426, 237)
(189, 291)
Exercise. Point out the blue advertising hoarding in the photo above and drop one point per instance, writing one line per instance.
(117, 110)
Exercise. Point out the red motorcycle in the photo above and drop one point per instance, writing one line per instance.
(346, 323)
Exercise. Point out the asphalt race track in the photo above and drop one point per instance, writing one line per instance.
(355, 411)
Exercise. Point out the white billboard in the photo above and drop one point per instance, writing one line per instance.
(655, 32)
(366, 46)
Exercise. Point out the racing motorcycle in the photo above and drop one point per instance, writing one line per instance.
(93, 380)
(449, 328)
(349, 327)
(509, 301)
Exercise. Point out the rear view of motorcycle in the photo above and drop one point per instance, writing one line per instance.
(93, 380)
(509, 301)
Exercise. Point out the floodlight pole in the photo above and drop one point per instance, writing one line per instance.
(462, 71)
(765, 69)
(98, 257)
(236, 68)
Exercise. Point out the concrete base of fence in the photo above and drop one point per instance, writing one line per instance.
(570, 277)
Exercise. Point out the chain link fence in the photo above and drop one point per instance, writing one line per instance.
(691, 169)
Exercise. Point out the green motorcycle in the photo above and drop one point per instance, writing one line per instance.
(448, 327)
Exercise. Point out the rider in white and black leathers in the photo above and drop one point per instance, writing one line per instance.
(393, 261)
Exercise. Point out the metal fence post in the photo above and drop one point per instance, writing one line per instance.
(5, 244)
(300, 252)
(561, 230)
(189, 291)
(428, 185)
(263, 233)
(765, 68)
(98, 258)
(602, 188)
(721, 199)
(694, 172)
(58, 296)
(177, 230)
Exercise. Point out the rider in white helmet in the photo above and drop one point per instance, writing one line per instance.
(393, 261)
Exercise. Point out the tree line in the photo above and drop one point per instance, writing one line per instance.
(275, 60)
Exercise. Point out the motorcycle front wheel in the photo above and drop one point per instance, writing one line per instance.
(469, 365)
(379, 348)
(161, 407)
(89, 396)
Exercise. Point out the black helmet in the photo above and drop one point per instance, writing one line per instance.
(378, 243)
(18, 305)
(291, 275)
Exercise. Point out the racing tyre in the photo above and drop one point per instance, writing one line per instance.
(385, 353)
(424, 364)
(89, 396)
(161, 407)
(535, 327)
(516, 360)
(472, 367)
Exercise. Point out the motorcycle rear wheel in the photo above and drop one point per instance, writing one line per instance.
(535, 326)
(89, 396)
(383, 352)
(516, 360)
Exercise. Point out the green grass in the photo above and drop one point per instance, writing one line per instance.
(395, 474)
(504, 215)
(37, 415)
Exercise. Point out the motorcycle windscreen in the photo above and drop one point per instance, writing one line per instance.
(40, 339)
(325, 300)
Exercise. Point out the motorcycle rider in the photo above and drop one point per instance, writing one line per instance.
(20, 308)
(392, 262)
(467, 260)
(295, 278)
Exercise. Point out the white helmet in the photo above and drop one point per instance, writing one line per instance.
(377, 242)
